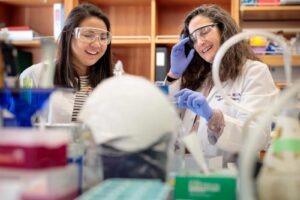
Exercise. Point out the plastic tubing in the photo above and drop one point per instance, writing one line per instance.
(248, 152)
(237, 38)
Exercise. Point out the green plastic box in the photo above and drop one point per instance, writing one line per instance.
(205, 188)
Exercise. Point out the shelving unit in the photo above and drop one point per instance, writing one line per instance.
(131, 30)
(140, 26)
(270, 13)
(30, 2)
(169, 16)
(28, 44)
(277, 60)
(271, 18)
(37, 14)
(276, 18)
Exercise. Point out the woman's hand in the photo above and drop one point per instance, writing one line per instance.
(194, 101)
(179, 61)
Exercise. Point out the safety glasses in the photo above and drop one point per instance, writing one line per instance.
(89, 34)
(201, 32)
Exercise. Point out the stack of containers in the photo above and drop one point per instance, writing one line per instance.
(268, 2)
(248, 2)
(33, 165)
(258, 44)
(261, 2)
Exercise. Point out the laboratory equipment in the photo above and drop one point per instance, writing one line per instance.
(208, 185)
(37, 164)
(248, 152)
(82, 151)
(192, 143)
(52, 183)
(279, 177)
(31, 148)
(295, 43)
(161, 85)
(258, 44)
(133, 189)
(134, 125)
(249, 149)
(118, 69)
(47, 76)
(18, 105)
(22, 104)
(216, 186)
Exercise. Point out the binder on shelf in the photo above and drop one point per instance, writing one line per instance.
(58, 19)
(24, 60)
(161, 63)
(248, 2)
(9, 53)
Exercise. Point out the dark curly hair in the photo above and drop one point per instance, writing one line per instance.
(232, 62)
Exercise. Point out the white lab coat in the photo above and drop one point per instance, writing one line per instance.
(253, 89)
(61, 102)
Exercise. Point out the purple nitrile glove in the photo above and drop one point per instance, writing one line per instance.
(182, 97)
(194, 101)
(179, 61)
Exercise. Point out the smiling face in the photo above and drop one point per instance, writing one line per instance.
(208, 39)
(84, 53)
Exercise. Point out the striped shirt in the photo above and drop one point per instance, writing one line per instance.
(81, 96)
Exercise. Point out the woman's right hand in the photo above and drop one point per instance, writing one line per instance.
(179, 61)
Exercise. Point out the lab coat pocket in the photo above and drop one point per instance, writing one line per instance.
(231, 138)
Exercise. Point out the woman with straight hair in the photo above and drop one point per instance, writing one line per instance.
(83, 61)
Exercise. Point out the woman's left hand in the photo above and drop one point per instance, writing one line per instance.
(194, 101)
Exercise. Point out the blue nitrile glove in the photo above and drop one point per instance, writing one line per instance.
(179, 61)
(194, 101)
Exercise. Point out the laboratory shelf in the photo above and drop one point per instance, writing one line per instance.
(131, 40)
(270, 12)
(31, 43)
(277, 60)
(167, 40)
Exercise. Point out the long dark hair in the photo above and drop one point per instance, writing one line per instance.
(65, 74)
(233, 60)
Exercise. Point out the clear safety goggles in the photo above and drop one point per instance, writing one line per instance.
(89, 34)
(201, 32)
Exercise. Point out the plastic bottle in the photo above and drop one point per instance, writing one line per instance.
(280, 175)
(118, 69)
